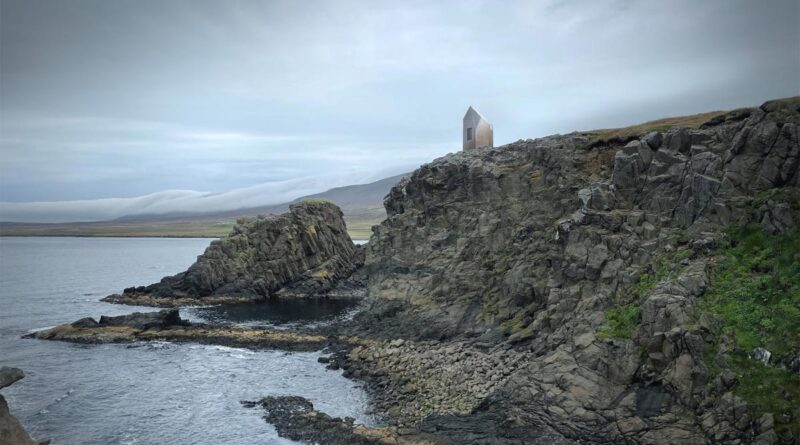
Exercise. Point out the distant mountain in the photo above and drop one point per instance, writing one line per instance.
(361, 204)
(352, 199)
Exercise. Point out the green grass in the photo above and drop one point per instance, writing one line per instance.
(666, 267)
(622, 135)
(755, 292)
(621, 321)
(771, 389)
(756, 289)
(317, 201)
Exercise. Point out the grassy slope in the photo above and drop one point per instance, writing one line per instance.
(755, 293)
(623, 135)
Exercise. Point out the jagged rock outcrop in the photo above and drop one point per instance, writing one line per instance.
(526, 246)
(295, 417)
(11, 431)
(305, 252)
(167, 325)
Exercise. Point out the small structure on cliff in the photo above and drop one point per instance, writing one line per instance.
(478, 132)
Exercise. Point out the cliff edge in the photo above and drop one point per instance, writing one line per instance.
(575, 289)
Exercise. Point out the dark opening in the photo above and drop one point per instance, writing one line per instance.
(469, 134)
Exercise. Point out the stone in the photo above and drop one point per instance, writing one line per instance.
(761, 354)
(139, 320)
(303, 253)
(87, 322)
(10, 375)
(654, 139)
(678, 140)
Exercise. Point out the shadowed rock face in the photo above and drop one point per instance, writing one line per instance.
(304, 252)
(526, 246)
(474, 237)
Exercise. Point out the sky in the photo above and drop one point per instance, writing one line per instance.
(122, 107)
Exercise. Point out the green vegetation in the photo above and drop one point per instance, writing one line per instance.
(756, 289)
(773, 390)
(317, 201)
(359, 230)
(666, 267)
(755, 292)
(622, 321)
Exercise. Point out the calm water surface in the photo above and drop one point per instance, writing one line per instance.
(147, 393)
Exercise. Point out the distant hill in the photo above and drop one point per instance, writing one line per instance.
(357, 199)
(362, 205)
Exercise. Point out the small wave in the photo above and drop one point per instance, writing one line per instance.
(57, 400)
(35, 330)
(229, 349)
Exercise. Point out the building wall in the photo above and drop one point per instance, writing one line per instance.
(484, 135)
(482, 132)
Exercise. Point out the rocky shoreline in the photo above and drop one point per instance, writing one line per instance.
(550, 291)
(295, 418)
(166, 325)
(140, 298)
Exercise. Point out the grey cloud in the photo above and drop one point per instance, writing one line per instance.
(105, 99)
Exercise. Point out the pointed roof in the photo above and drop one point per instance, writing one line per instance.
(472, 110)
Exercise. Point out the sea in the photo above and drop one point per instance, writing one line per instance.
(147, 393)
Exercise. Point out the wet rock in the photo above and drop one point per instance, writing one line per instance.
(10, 375)
(295, 418)
(138, 320)
(166, 325)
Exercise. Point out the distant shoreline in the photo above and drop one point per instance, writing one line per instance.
(130, 236)
(357, 228)
(42, 235)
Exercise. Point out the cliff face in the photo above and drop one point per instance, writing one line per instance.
(304, 252)
(591, 262)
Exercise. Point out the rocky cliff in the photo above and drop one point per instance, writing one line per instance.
(305, 252)
(590, 265)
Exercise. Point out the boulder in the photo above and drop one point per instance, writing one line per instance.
(10, 375)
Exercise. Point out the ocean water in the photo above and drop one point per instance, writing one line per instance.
(145, 393)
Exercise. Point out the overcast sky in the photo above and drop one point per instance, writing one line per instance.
(116, 99)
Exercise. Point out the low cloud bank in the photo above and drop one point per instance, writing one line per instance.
(168, 201)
